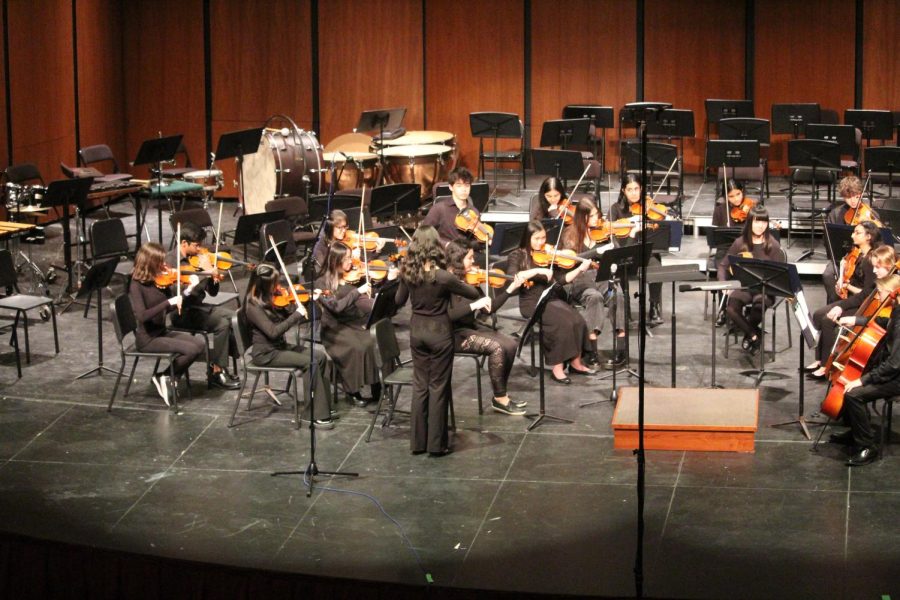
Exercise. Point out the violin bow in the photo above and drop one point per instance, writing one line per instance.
(178, 263)
(725, 191)
(663, 182)
(287, 277)
(572, 195)
(862, 195)
(218, 233)
(361, 238)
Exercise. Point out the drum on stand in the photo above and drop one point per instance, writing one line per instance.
(418, 138)
(210, 179)
(350, 142)
(352, 169)
(424, 164)
(287, 163)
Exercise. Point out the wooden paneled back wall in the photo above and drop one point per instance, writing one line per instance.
(81, 72)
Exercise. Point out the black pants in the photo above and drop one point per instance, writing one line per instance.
(186, 346)
(500, 351)
(829, 279)
(737, 300)
(213, 320)
(298, 357)
(828, 331)
(856, 415)
(431, 343)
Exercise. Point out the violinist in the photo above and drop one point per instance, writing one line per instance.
(881, 380)
(629, 194)
(427, 286)
(334, 230)
(267, 326)
(877, 261)
(345, 313)
(565, 330)
(442, 215)
(150, 303)
(758, 242)
(593, 295)
(734, 210)
(550, 196)
(468, 336)
(215, 320)
(850, 212)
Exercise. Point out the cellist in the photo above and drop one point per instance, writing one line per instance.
(881, 380)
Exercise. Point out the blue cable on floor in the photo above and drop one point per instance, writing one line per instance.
(428, 577)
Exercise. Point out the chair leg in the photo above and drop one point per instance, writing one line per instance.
(237, 402)
(112, 397)
(377, 412)
(174, 386)
(14, 342)
(131, 375)
(389, 418)
(187, 380)
(478, 363)
(55, 330)
(253, 391)
(294, 377)
(27, 343)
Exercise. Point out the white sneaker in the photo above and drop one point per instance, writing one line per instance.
(162, 387)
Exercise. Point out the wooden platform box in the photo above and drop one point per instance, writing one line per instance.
(688, 419)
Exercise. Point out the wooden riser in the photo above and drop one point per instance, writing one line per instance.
(703, 441)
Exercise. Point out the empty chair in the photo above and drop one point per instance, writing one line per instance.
(99, 154)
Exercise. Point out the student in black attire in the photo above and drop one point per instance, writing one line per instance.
(442, 215)
(544, 204)
(334, 230)
(150, 304)
(428, 286)
(850, 189)
(267, 328)
(734, 199)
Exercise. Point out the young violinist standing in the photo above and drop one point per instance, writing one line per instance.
(546, 203)
(756, 241)
(150, 303)
(734, 210)
(345, 312)
(593, 295)
(442, 215)
(499, 349)
(427, 286)
(214, 320)
(875, 261)
(629, 195)
(268, 327)
(881, 380)
(565, 331)
(850, 212)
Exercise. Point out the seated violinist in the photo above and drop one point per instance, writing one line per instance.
(215, 320)
(335, 229)
(593, 295)
(881, 380)
(267, 327)
(866, 262)
(734, 210)
(850, 212)
(345, 312)
(550, 196)
(442, 215)
(756, 241)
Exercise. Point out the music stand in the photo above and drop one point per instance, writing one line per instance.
(537, 320)
(883, 159)
(673, 123)
(390, 201)
(769, 278)
(238, 144)
(494, 125)
(792, 118)
(891, 219)
(154, 151)
(874, 124)
(384, 306)
(732, 154)
(65, 193)
(562, 132)
(563, 164)
(506, 238)
(247, 229)
(716, 110)
(97, 278)
(479, 195)
(601, 118)
(812, 155)
(672, 274)
(382, 119)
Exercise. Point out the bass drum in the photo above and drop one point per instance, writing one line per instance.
(285, 160)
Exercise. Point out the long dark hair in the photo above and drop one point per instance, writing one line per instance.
(148, 262)
(622, 201)
(757, 213)
(731, 185)
(262, 283)
(425, 247)
(578, 230)
(532, 228)
(873, 232)
(334, 265)
(335, 216)
(456, 251)
(551, 184)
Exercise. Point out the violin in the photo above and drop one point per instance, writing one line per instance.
(282, 296)
(369, 240)
(564, 259)
(169, 276)
(739, 213)
(468, 221)
(849, 267)
(377, 270)
(223, 262)
(565, 210)
(862, 212)
(620, 228)
(495, 278)
(655, 210)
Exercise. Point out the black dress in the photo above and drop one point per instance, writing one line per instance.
(345, 337)
(565, 331)
(431, 344)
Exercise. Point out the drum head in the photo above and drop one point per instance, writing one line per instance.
(413, 138)
(350, 142)
(417, 150)
(259, 176)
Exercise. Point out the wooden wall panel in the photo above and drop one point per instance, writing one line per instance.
(4, 134)
(572, 64)
(370, 56)
(164, 87)
(474, 62)
(100, 74)
(881, 55)
(261, 66)
(804, 53)
(40, 71)
(694, 51)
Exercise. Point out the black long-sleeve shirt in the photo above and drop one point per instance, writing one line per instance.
(758, 251)
(267, 331)
(432, 298)
(888, 367)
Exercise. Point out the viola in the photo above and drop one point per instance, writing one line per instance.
(862, 212)
(369, 240)
(849, 268)
(655, 210)
(468, 221)
(282, 296)
(739, 213)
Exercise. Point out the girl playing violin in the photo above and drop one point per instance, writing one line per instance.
(345, 313)
(630, 193)
(852, 211)
(499, 349)
(334, 230)
(267, 327)
(565, 331)
(757, 241)
(876, 262)
(150, 304)
(594, 296)
(545, 204)
(733, 212)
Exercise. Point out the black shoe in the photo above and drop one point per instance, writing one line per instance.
(815, 376)
(519, 403)
(720, 320)
(564, 380)
(440, 453)
(507, 409)
(812, 367)
(845, 438)
(357, 400)
(221, 380)
(655, 314)
(863, 457)
(616, 361)
(589, 358)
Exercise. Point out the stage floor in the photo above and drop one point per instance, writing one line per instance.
(552, 510)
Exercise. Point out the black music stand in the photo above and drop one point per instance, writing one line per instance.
(65, 193)
(563, 132)
(770, 279)
(155, 151)
(238, 144)
(844, 135)
(891, 219)
(673, 123)
(383, 120)
(494, 125)
(883, 159)
(247, 229)
(732, 154)
(506, 238)
(562, 164)
(391, 201)
(792, 118)
(479, 195)
(716, 110)
(874, 124)
(384, 306)
(601, 118)
(537, 320)
(97, 278)
(715, 288)
(673, 274)
(812, 155)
